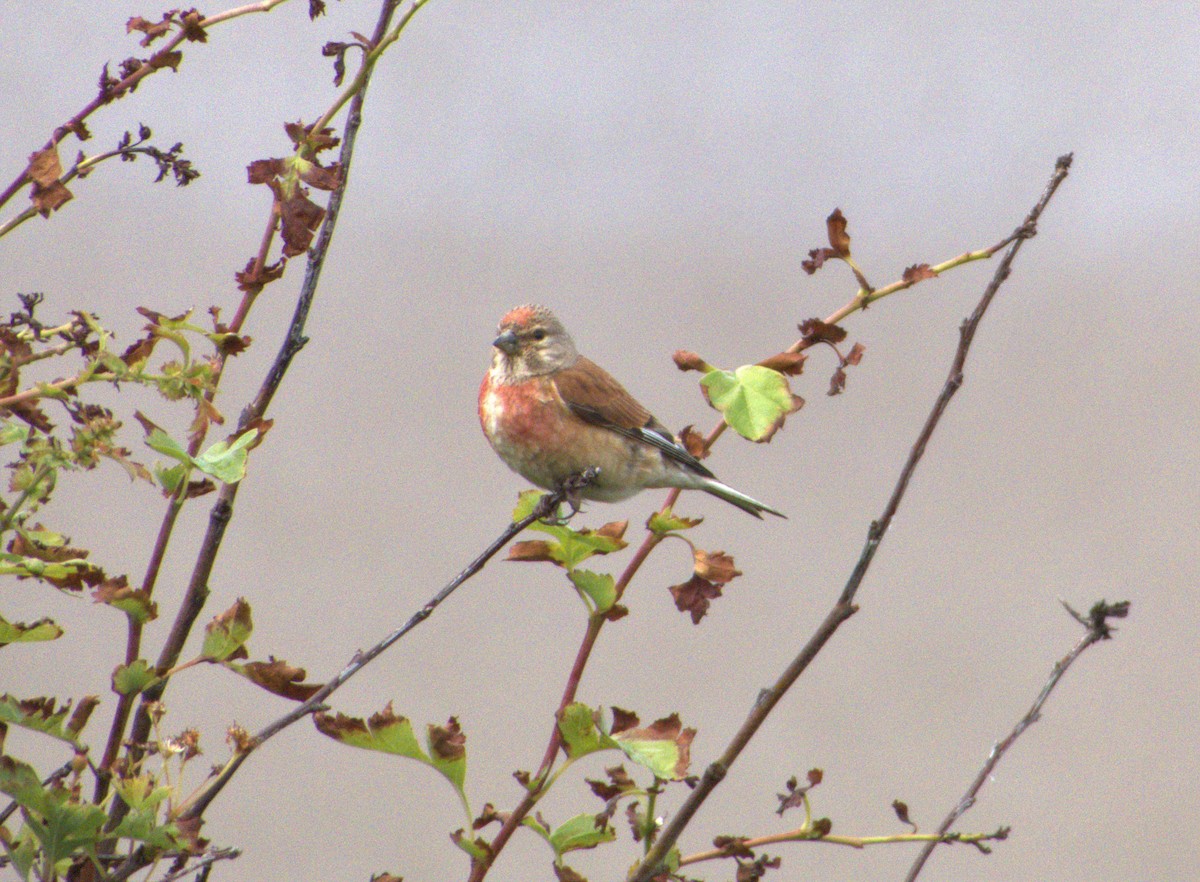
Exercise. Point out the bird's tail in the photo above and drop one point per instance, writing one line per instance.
(741, 500)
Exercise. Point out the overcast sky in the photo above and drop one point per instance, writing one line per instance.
(656, 172)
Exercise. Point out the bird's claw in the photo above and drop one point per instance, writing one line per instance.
(570, 491)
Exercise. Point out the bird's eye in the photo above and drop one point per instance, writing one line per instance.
(539, 334)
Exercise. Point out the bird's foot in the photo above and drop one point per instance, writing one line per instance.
(570, 491)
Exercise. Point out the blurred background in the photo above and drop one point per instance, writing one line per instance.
(656, 172)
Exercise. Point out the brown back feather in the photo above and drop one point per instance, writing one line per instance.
(591, 392)
(595, 396)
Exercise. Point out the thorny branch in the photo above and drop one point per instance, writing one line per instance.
(845, 607)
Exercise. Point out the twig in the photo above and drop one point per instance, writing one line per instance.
(316, 702)
(1097, 629)
(860, 842)
(57, 775)
(204, 864)
(361, 659)
(125, 86)
(196, 593)
(844, 608)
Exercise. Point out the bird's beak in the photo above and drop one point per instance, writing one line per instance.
(507, 342)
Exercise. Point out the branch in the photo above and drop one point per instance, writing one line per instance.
(844, 608)
(316, 702)
(197, 591)
(1097, 629)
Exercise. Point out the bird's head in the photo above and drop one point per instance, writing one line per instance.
(531, 341)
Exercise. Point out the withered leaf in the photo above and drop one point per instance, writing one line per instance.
(29, 412)
(901, 810)
(299, 217)
(837, 382)
(317, 141)
(733, 846)
(249, 279)
(694, 596)
(665, 729)
(166, 59)
(918, 272)
(530, 550)
(280, 678)
(44, 167)
(788, 363)
(260, 171)
(816, 331)
(189, 831)
(816, 259)
(566, 874)
(686, 360)
(618, 782)
(795, 792)
(447, 742)
(192, 31)
(151, 30)
(27, 546)
(693, 442)
(48, 193)
(197, 488)
(140, 350)
(839, 239)
(322, 177)
(715, 566)
(756, 869)
(487, 816)
(623, 720)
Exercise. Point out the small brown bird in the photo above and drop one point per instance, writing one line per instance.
(551, 413)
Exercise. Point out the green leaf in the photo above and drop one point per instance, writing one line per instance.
(599, 588)
(527, 501)
(577, 724)
(62, 827)
(140, 792)
(224, 461)
(19, 632)
(133, 678)
(476, 847)
(753, 399)
(163, 443)
(384, 731)
(663, 747)
(38, 715)
(22, 850)
(143, 826)
(660, 757)
(663, 522)
(170, 478)
(578, 833)
(12, 432)
(228, 632)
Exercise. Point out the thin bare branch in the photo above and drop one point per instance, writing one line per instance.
(1097, 629)
(845, 607)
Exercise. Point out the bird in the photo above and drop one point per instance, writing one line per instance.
(551, 413)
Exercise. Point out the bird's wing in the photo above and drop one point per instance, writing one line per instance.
(593, 395)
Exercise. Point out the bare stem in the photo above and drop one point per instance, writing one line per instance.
(196, 594)
(844, 607)
(1097, 629)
